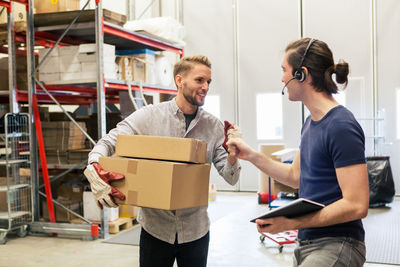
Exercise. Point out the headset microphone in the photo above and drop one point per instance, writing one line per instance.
(283, 92)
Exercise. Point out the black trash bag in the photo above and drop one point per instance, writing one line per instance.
(381, 184)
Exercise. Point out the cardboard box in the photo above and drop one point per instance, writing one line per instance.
(61, 214)
(160, 184)
(43, 52)
(19, 11)
(51, 65)
(91, 210)
(108, 50)
(276, 187)
(49, 77)
(19, 198)
(47, 6)
(128, 211)
(161, 147)
(3, 194)
(143, 64)
(70, 190)
(268, 149)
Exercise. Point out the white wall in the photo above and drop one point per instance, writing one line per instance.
(388, 69)
(263, 30)
(260, 43)
(265, 27)
(209, 31)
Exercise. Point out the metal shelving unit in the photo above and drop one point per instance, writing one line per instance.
(83, 92)
(17, 189)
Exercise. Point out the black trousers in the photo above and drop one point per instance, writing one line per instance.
(157, 253)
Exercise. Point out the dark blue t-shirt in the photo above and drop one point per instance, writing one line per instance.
(337, 140)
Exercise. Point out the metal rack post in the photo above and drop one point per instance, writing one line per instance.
(30, 56)
(101, 99)
(12, 81)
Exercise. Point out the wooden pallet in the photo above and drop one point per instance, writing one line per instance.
(114, 227)
(119, 224)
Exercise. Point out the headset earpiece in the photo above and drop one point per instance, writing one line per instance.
(299, 74)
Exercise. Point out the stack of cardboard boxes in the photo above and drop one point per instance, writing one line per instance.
(60, 137)
(136, 65)
(160, 172)
(21, 74)
(19, 9)
(76, 64)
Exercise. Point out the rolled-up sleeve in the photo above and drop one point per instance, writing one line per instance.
(229, 172)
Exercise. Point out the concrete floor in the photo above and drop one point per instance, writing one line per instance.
(234, 242)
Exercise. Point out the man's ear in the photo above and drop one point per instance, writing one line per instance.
(178, 81)
(306, 73)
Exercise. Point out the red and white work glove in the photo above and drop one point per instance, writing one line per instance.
(100, 184)
(230, 131)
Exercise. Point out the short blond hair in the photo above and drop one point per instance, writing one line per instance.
(186, 64)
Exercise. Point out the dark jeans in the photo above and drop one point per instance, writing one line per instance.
(157, 253)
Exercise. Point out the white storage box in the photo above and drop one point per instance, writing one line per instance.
(92, 212)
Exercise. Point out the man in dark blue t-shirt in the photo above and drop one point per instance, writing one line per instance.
(329, 168)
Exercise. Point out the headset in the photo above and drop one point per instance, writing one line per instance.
(299, 74)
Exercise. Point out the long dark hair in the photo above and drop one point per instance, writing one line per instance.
(319, 63)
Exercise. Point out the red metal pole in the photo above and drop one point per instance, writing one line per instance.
(43, 161)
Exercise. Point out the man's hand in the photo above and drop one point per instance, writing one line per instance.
(275, 225)
(239, 149)
(100, 184)
(230, 131)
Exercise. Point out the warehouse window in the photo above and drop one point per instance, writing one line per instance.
(212, 105)
(269, 116)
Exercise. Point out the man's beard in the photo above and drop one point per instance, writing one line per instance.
(192, 100)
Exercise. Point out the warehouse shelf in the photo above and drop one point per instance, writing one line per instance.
(113, 34)
(97, 91)
(13, 135)
(84, 33)
(5, 188)
(14, 214)
(16, 161)
(82, 92)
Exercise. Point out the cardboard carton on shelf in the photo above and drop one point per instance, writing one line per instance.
(71, 190)
(161, 147)
(142, 64)
(60, 213)
(19, 11)
(56, 6)
(160, 184)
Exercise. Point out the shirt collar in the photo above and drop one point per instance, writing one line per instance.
(176, 110)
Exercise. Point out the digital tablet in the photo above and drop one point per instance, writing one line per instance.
(295, 208)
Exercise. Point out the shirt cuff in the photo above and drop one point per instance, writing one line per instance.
(235, 168)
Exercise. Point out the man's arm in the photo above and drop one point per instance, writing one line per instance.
(353, 181)
(106, 145)
(288, 174)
